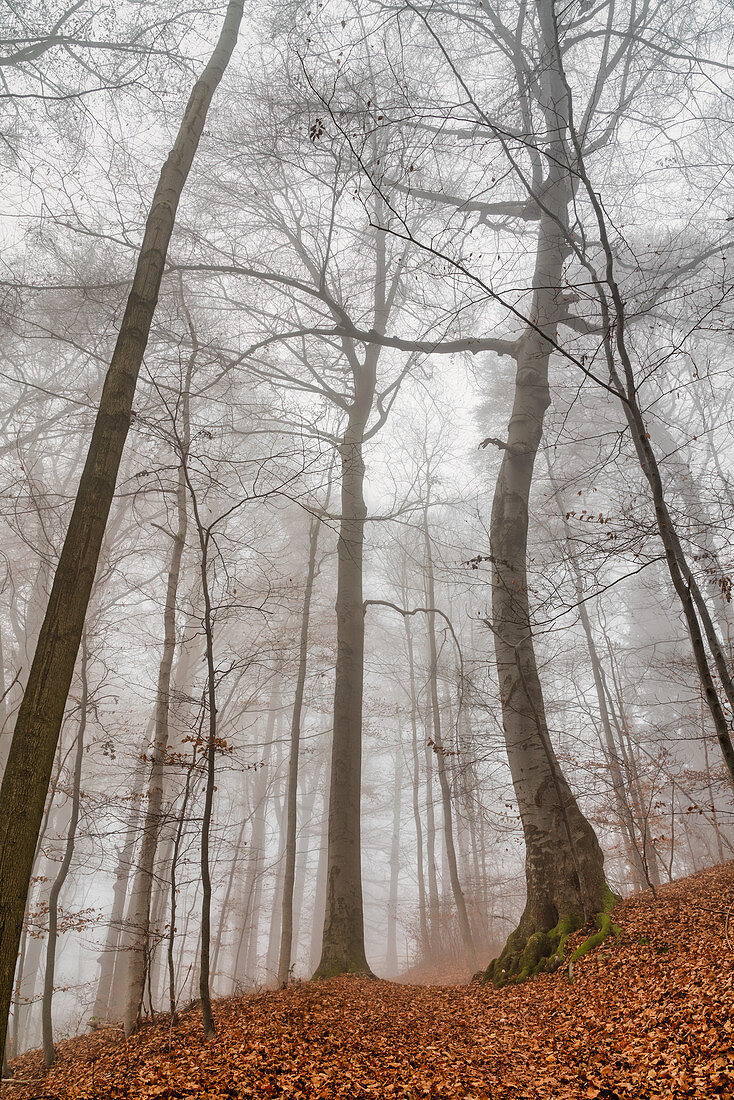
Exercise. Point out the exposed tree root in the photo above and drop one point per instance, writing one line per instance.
(525, 956)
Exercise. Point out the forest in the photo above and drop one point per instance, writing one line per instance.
(366, 549)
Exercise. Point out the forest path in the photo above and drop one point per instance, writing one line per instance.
(649, 1017)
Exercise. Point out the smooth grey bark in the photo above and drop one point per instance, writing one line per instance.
(291, 808)
(30, 761)
(343, 943)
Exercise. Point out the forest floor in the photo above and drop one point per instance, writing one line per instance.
(650, 1016)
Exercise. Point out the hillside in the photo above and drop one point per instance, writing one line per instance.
(648, 1017)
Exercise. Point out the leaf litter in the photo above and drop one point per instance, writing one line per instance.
(648, 1017)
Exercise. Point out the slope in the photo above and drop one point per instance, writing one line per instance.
(646, 1017)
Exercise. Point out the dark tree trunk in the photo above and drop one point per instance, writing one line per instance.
(343, 943)
(564, 864)
(30, 761)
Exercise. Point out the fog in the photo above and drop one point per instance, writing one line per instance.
(409, 620)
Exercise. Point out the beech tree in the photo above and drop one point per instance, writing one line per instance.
(28, 769)
(421, 246)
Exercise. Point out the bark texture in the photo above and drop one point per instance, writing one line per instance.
(564, 863)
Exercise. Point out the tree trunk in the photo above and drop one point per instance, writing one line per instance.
(143, 881)
(103, 1001)
(207, 1015)
(439, 751)
(49, 1052)
(564, 864)
(415, 779)
(319, 900)
(343, 943)
(26, 779)
(252, 892)
(434, 907)
(391, 956)
(291, 810)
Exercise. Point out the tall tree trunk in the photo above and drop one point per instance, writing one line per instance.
(291, 810)
(272, 952)
(304, 846)
(391, 956)
(252, 893)
(564, 864)
(415, 780)
(143, 880)
(343, 943)
(434, 906)
(227, 901)
(49, 1052)
(207, 1015)
(29, 957)
(440, 753)
(709, 784)
(26, 778)
(104, 1005)
(319, 900)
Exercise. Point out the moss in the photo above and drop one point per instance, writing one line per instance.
(526, 957)
(608, 899)
(565, 928)
(606, 928)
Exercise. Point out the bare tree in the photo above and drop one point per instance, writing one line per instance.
(26, 777)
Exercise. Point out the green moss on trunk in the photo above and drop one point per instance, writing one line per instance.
(526, 956)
